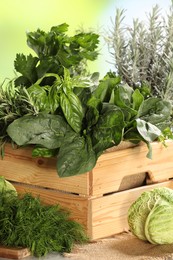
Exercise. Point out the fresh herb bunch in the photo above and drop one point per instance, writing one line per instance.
(13, 104)
(26, 222)
(77, 117)
(55, 50)
(143, 52)
(85, 127)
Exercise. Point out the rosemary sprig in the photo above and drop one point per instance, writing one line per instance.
(14, 103)
(143, 53)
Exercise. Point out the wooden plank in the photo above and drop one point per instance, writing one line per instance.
(107, 176)
(14, 253)
(109, 213)
(112, 167)
(77, 206)
(18, 165)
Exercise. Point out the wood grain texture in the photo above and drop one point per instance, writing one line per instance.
(109, 213)
(14, 253)
(18, 165)
(93, 198)
(76, 205)
(112, 167)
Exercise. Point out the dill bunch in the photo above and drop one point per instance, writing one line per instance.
(142, 53)
(25, 222)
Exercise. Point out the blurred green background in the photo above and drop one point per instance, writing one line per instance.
(19, 16)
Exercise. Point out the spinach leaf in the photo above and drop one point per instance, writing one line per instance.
(155, 110)
(143, 131)
(94, 106)
(44, 129)
(109, 129)
(148, 131)
(123, 99)
(104, 89)
(76, 155)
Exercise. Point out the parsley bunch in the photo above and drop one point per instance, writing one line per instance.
(55, 50)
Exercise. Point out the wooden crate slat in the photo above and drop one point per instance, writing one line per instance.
(92, 198)
(18, 165)
(112, 167)
(109, 213)
(76, 205)
(14, 253)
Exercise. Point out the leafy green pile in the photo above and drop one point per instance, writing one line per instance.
(86, 127)
(73, 116)
(26, 222)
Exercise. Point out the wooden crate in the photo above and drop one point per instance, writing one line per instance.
(98, 199)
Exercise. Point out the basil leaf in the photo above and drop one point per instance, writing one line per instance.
(38, 97)
(76, 155)
(72, 109)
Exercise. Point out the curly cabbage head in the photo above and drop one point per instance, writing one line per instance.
(150, 217)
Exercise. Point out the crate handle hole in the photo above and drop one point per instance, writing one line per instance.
(133, 181)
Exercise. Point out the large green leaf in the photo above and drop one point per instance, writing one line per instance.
(75, 156)
(44, 129)
(104, 89)
(109, 129)
(94, 106)
(123, 99)
(148, 131)
(155, 110)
